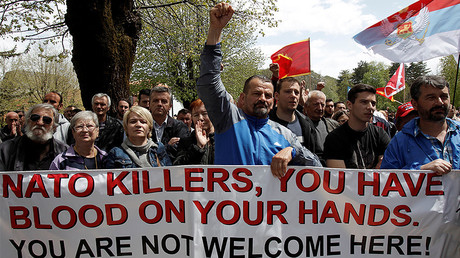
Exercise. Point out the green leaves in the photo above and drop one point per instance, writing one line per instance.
(174, 36)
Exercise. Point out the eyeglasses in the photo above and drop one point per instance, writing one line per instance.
(46, 119)
(80, 128)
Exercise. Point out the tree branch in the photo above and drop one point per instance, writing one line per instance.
(162, 5)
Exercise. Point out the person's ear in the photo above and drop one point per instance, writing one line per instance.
(414, 104)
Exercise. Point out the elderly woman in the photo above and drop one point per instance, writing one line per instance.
(138, 150)
(83, 154)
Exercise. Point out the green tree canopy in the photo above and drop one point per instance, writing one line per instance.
(174, 35)
(448, 68)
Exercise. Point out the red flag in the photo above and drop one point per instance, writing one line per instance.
(395, 85)
(293, 59)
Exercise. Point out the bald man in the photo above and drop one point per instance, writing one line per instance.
(12, 127)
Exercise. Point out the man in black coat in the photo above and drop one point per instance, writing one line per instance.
(287, 96)
(166, 129)
(111, 131)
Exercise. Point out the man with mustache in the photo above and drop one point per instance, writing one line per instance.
(36, 149)
(431, 141)
(244, 136)
(357, 143)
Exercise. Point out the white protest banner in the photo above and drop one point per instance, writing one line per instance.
(229, 211)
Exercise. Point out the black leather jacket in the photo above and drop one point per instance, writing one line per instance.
(190, 153)
(111, 136)
(174, 128)
(21, 153)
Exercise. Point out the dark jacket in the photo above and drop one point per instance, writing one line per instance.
(16, 153)
(5, 134)
(174, 128)
(111, 136)
(308, 129)
(190, 153)
(331, 124)
(119, 158)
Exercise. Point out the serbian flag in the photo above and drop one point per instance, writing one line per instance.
(395, 85)
(424, 30)
(293, 59)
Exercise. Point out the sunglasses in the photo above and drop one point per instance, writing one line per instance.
(46, 119)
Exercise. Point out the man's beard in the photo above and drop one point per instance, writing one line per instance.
(38, 138)
(437, 117)
(261, 112)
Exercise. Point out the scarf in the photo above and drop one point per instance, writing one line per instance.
(139, 154)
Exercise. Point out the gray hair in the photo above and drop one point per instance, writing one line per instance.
(100, 95)
(429, 80)
(315, 94)
(44, 106)
(160, 89)
(84, 115)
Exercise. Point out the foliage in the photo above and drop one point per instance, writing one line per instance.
(31, 20)
(448, 68)
(27, 79)
(343, 83)
(358, 72)
(173, 38)
(376, 74)
(415, 70)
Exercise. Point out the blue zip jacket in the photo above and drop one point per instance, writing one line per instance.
(408, 150)
(242, 139)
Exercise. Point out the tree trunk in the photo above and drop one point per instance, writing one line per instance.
(105, 34)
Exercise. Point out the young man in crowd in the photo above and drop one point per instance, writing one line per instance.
(144, 98)
(357, 143)
(122, 106)
(287, 96)
(329, 108)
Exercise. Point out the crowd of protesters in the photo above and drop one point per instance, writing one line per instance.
(276, 122)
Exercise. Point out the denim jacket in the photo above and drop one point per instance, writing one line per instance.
(410, 150)
(119, 158)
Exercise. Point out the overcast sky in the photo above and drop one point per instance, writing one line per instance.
(330, 25)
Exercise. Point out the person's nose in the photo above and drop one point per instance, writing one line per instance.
(263, 98)
(439, 101)
(40, 121)
(370, 106)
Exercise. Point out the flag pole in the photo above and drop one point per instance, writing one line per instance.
(456, 80)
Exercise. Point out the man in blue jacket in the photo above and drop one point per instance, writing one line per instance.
(244, 136)
(432, 141)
